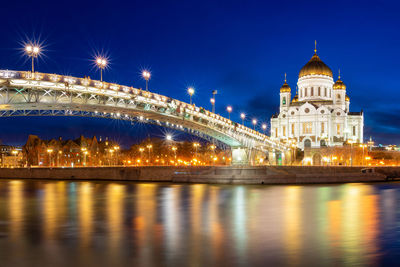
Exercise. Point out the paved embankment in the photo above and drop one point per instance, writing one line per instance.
(213, 174)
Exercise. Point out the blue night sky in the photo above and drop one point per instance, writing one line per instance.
(240, 48)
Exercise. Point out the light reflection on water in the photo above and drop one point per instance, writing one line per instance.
(61, 223)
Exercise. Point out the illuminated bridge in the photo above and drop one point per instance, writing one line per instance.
(40, 94)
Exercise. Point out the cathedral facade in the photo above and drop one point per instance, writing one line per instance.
(319, 114)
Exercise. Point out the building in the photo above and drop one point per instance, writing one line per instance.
(319, 114)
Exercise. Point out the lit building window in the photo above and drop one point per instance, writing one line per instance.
(322, 127)
(354, 130)
(276, 132)
(293, 129)
(284, 101)
(284, 130)
(307, 127)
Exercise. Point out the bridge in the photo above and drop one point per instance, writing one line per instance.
(24, 93)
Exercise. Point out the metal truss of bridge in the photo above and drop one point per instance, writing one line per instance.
(39, 94)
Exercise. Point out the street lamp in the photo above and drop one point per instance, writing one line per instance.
(174, 148)
(141, 149)
(363, 146)
(101, 63)
(15, 152)
(264, 127)
(196, 146)
(50, 151)
(149, 147)
(214, 92)
(254, 123)
(33, 51)
(190, 92)
(229, 109)
(351, 142)
(146, 75)
(242, 116)
(212, 101)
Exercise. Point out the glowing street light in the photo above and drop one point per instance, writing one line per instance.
(242, 116)
(174, 148)
(264, 127)
(212, 100)
(101, 63)
(168, 137)
(190, 92)
(229, 109)
(33, 51)
(149, 147)
(254, 121)
(146, 75)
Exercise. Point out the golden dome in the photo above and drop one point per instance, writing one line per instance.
(347, 98)
(285, 87)
(315, 67)
(339, 85)
(295, 99)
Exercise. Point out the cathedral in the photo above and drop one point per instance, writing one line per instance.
(319, 114)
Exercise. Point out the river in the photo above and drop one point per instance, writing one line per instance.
(89, 223)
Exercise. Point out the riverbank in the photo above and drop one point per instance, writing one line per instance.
(212, 174)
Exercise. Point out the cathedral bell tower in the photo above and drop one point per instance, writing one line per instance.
(285, 96)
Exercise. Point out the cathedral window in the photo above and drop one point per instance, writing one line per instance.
(325, 93)
(312, 91)
(276, 132)
(322, 127)
(338, 96)
(305, 91)
(292, 129)
(307, 127)
(284, 101)
(284, 130)
(354, 130)
(319, 91)
(338, 129)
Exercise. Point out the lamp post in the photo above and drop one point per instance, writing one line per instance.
(264, 127)
(363, 146)
(141, 149)
(33, 51)
(101, 63)
(242, 116)
(229, 109)
(190, 92)
(214, 92)
(15, 152)
(50, 150)
(149, 147)
(196, 146)
(146, 75)
(351, 142)
(174, 148)
(254, 124)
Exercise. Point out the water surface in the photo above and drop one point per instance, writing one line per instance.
(62, 223)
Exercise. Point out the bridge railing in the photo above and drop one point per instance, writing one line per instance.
(88, 85)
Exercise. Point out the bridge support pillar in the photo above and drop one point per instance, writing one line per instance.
(240, 156)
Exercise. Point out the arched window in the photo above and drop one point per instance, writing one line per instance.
(338, 96)
(325, 93)
(305, 91)
(284, 100)
(312, 91)
(319, 91)
(307, 143)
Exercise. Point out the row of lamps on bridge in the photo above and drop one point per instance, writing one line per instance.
(33, 51)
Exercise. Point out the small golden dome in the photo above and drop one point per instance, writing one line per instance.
(315, 67)
(347, 98)
(339, 85)
(285, 87)
(295, 99)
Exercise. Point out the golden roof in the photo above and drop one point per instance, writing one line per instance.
(285, 87)
(347, 98)
(339, 85)
(295, 99)
(315, 67)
